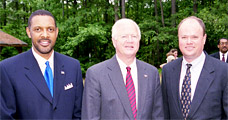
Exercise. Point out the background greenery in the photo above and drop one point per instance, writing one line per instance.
(85, 25)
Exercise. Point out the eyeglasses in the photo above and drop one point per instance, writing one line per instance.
(223, 43)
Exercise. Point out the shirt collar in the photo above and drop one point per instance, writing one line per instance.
(196, 62)
(123, 65)
(42, 60)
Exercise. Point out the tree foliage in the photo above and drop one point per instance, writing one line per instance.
(85, 25)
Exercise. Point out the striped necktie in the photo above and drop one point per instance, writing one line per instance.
(131, 92)
(186, 92)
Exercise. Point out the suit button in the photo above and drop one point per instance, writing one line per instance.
(55, 108)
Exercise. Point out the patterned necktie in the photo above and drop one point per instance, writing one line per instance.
(186, 92)
(223, 58)
(49, 77)
(131, 92)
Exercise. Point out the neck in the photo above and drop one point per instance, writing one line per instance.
(127, 60)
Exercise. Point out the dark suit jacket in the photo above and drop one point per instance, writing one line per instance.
(24, 92)
(216, 55)
(210, 100)
(105, 95)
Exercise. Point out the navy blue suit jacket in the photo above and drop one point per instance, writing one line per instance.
(25, 94)
(210, 100)
(216, 55)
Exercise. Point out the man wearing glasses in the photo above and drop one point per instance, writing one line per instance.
(223, 48)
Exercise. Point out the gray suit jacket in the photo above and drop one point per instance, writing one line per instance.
(210, 100)
(105, 95)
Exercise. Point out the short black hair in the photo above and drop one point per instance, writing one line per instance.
(40, 12)
(220, 40)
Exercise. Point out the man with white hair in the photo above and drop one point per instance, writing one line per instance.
(123, 87)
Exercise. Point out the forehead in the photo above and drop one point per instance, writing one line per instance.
(42, 20)
(126, 28)
(223, 40)
(190, 26)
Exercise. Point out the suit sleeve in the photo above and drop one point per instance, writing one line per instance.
(225, 97)
(164, 93)
(158, 112)
(7, 99)
(79, 91)
(91, 97)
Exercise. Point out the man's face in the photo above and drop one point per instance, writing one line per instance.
(191, 39)
(223, 45)
(126, 41)
(43, 33)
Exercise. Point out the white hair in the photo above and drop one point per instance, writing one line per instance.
(124, 20)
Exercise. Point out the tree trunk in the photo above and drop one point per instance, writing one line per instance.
(63, 8)
(106, 11)
(162, 15)
(116, 10)
(195, 6)
(123, 8)
(155, 9)
(75, 6)
(4, 15)
(173, 12)
(67, 8)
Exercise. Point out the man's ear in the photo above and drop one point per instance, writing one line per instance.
(28, 32)
(114, 42)
(57, 31)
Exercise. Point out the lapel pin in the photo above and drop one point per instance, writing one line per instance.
(145, 75)
(62, 72)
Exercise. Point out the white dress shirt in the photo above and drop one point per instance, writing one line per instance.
(196, 68)
(134, 74)
(221, 55)
(41, 61)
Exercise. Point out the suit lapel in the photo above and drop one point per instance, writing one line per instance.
(175, 77)
(142, 86)
(59, 78)
(206, 77)
(116, 78)
(34, 74)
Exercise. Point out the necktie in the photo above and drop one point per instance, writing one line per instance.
(186, 92)
(223, 58)
(49, 77)
(131, 92)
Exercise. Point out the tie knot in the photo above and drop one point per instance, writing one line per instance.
(189, 65)
(223, 54)
(47, 63)
(128, 69)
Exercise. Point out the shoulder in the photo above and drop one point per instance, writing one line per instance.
(65, 58)
(20, 58)
(214, 54)
(173, 63)
(99, 66)
(216, 63)
(148, 66)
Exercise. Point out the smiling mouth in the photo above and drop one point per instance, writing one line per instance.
(129, 47)
(44, 43)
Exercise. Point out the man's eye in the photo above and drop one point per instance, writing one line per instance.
(134, 36)
(50, 29)
(123, 36)
(37, 29)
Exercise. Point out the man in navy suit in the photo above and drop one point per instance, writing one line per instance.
(111, 92)
(195, 86)
(29, 88)
(223, 48)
